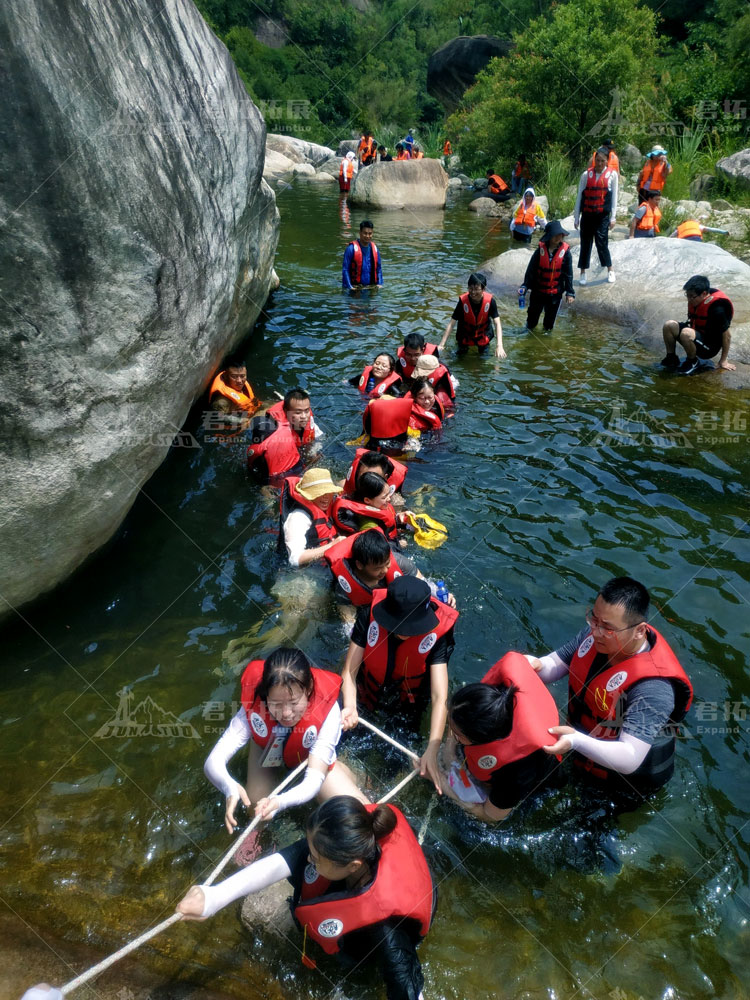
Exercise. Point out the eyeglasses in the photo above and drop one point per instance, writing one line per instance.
(276, 707)
(596, 626)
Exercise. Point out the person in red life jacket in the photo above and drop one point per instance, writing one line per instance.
(362, 265)
(346, 171)
(413, 348)
(627, 693)
(521, 174)
(295, 410)
(497, 189)
(706, 331)
(498, 729)
(399, 654)
(231, 394)
(305, 525)
(477, 320)
(594, 213)
(646, 218)
(447, 150)
(365, 460)
(382, 376)
(654, 173)
(289, 713)
(362, 890)
(549, 275)
(386, 422)
(430, 370)
(273, 449)
(369, 506)
(527, 216)
(613, 160)
(427, 412)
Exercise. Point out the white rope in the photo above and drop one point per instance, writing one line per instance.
(387, 738)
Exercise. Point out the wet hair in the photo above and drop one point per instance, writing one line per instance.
(235, 362)
(477, 278)
(628, 594)
(414, 341)
(287, 667)
(374, 460)
(369, 485)
(417, 385)
(371, 547)
(341, 830)
(696, 285)
(365, 224)
(385, 354)
(295, 396)
(483, 712)
(261, 428)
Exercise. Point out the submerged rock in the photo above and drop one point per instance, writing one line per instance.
(401, 184)
(137, 248)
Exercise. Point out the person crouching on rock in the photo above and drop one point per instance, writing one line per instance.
(645, 221)
(477, 320)
(706, 331)
(497, 189)
(549, 274)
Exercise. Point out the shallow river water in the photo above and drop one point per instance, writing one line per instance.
(573, 461)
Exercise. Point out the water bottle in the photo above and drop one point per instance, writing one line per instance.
(522, 297)
(442, 591)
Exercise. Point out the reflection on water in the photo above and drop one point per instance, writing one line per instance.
(572, 461)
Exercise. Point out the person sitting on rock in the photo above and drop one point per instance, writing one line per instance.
(417, 153)
(364, 147)
(477, 318)
(372, 156)
(497, 189)
(527, 215)
(645, 221)
(401, 153)
(232, 395)
(548, 276)
(362, 265)
(706, 331)
(384, 156)
(408, 142)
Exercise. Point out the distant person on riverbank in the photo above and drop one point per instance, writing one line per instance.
(706, 331)
(362, 266)
(654, 172)
(401, 152)
(447, 151)
(548, 277)
(408, 142)
(372, 156)
(477, 318)
(497, 189)
(346, 171)
(384, 155)
(417, 153)
(527, 215)
(613, 161)
(521, 175)
(305, 526)
(365, 146)
(594, 213)
(627, 693)
(646, 218)
(232, 395)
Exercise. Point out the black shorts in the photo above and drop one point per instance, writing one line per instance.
(702, 349)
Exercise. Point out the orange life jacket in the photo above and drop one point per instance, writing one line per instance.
(655, 172)
(473, 328)
(277, 412)
(650, 219)
(688, 230)
(427, 420)
(380, 387)
(526, 217)
(326, 687)
(613, 161)
(345, 514)
(534, 712)
(550, 269)
(355, 268)
(403, 155)
(419, 155)
(597, 196)
(395, 477)
(365, 146)
(447, 149)
(387, 417)
(339, 558)
(320, 531)
(346, 170)
(698, 315)
(496, 184)
(402, 887)
(279, 450)
(407, 370)
(246, 400)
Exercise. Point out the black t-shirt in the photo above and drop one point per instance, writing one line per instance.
(440, 652)
(718, 319)
(513, 783)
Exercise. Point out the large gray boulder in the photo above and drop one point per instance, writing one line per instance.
(453, 67)
(648, 290)
(401, 184)
(137, 249)
(736, 168)
(299, 150)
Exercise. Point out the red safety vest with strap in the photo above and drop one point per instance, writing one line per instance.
(410, 665)
(402, 888)
(407, 370)
(441, 380)
(387, 417)
(698, 315)
(534, 712)
(326, 687)
(597, 192)
(427, 420)
(689, 230)
(246, 400)
(649, 221)
(380, 387)
(355, 268)
(346, 512)
(339, 558)
(550, 269)
(279, 450)
(277, 412)
(321, 530)
(473, 328)
(396, 472)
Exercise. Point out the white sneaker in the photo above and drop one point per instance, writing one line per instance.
(583, 279)
(611, 278)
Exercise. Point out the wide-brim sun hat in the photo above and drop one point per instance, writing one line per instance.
(657, 151)
(553, 228)
(425, 365)
(407, 608)
(317, 483)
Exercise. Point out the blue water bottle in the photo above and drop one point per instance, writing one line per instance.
(442, 591)
(522, 297)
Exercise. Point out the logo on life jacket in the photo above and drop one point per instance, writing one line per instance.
(616, 680)
(600, 698)
(586, 645)
(487, 762)
(258, 725)
(311, 734)
(427, 643)
(361, 383)
(330, 928)
(311, 873)
(372, 633)
(344, 584)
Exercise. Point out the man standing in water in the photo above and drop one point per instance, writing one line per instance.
(362, 266)
(626, 693)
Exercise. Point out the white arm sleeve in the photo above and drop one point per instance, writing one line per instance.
(259, 875)
(581, 186)
(323, 749)
(296, 527)
(234, 737)
(615, 188)
(553, 668)
(625, 754)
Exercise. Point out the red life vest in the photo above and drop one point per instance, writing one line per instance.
(355, 268)
(597, 194)
(474, 328)
(698, 315)
(441, 381)
(649, 221)
(320, 531)
(550, 269)
(447, 149)
(411, 655)
(345, 513)
(534, 712)
(427, 420)
(339, 558)
(407, 370)
(402, 887)
(403, 155)
(395, 478)
(277, 412)
(326, 687)
(386, 417)
(279, 450)
(689, 230)
(593, 700)
(246, 400)
(380, 387)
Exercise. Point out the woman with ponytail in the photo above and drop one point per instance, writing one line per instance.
(361, 890)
